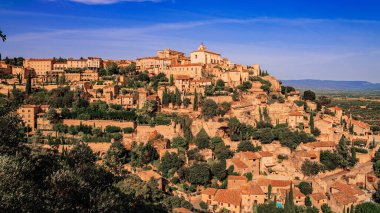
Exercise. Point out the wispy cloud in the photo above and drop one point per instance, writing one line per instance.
(95, 2)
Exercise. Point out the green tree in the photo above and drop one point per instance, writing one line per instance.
(179, 142)
(186, 102)
(245, 146)
(171, 80)
(52, 115)
(170, 163)
(376, 168)
(81, 154)
(165, 98)
(202, 140)
(116, 157)
(326, 209)
(28, 86)
(198, 174)
(305, 188)
(310, 168)
(367, 207)
(11, 133)
(209, 108)
(376, 195)
(220, 84)
(203, 205)
(269, 192)
(195, 102)
(309, 95)
(218, 169)
(308, 201)
(311, 121)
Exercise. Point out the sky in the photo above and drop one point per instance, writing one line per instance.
(292, 39)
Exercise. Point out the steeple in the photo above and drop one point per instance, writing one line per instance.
(202, 47)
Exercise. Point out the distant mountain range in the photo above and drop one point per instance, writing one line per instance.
(331, 85)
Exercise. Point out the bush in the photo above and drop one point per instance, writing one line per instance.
(299, 103)
(112, 129)
(203, 205)
(310, 168)
(361, 150)
(305, 188)
(282, 157)
(128, 130)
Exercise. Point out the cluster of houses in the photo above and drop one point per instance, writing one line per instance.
(339, 189)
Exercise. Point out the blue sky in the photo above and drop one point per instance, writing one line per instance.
(292, 39)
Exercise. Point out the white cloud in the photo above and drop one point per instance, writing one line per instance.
(93, 2)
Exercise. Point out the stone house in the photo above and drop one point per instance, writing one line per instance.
(236, 182)
(318, 199)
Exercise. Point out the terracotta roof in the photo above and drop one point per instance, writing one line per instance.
(238, 163)
(343, 198)
(252, 189)
(280, 183)
(210, 191)
(265, 154)
(274, 183)
(235, 177)
(296, 192)
(318, 196)
(229, 196)
(349, 189)
(251, 155)
(321, 144)
(146, 175)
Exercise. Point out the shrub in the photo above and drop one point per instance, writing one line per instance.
(112, 129)
(305, 188)
(128, 130)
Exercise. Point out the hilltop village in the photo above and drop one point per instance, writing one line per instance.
(222, 137)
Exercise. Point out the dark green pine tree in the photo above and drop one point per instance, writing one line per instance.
(165, 97)
(178, 100)
(311, 121)
(275, 201)
(195, 102)
(172, 98)
(171, 80)
(286, 92)
(261, 115)
(28, 86)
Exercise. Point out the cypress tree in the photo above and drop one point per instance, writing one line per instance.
(178, 100)
(195, 102)
(165, 97)
(269, 192)
(261, 115)
(171, 80)
(28, 86)
(286, 92)
(311, 122)
(291, 199)
(286, 205)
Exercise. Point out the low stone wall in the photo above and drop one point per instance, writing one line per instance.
(99, 123)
